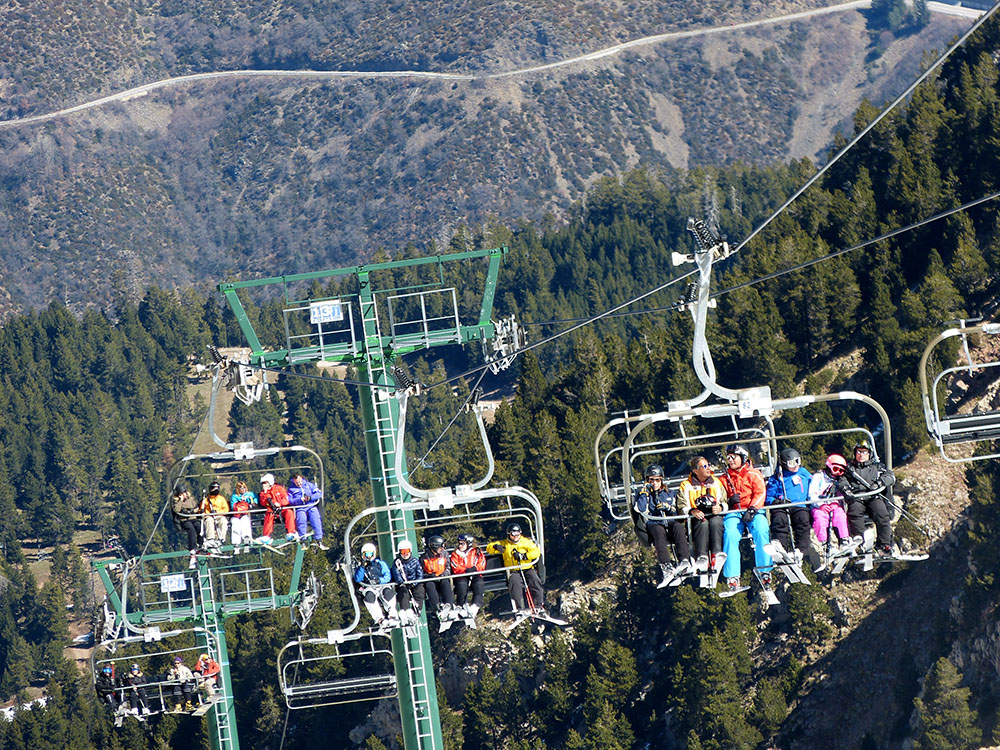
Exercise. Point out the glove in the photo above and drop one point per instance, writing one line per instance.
(518, 555)
(748, 515)
(734, 499)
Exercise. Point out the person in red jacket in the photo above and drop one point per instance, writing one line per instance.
(274, 497)
(207, 669)
(747, 492)
(467, 558)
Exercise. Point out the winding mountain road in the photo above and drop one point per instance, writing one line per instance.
(615, 49)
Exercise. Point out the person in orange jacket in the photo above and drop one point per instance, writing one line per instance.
(747, 492)
(467, 558)
(437, 567)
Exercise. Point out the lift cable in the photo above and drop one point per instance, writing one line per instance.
(472, 393)
(799, 267)
(958, 43)
(560, 334)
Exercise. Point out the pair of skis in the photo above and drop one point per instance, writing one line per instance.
(787, 563)
(456, 614)
(707, 579)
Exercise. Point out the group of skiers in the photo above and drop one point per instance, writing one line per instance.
(451, 583)
(833, 503)
(206, 522)
(183, 689)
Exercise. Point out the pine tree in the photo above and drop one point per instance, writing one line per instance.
(945, 719)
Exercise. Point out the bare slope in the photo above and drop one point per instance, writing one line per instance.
(206, 181)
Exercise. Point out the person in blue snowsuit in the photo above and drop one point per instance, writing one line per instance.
(790, 484)
(304, 496)
(375, 585)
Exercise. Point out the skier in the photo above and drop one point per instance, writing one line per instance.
(519, 557)
(437, 584)
(135, 682)
(790, 484)
(107, 687)
(184, 687)
(240, 504)
(467, 558)
(827, 511)
(208, 670)
(863, 475)
(372, 576)
(745, 487)
(185, 513)
(215, 519)
(653, 502)
(704, 497)
(274, 497)
(304, 496)
(407, 573)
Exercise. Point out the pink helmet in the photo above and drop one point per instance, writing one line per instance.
(836, 464)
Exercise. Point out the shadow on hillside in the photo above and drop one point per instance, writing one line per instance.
(860, 695)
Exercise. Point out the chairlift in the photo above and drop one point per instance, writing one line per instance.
(338, 669)
(154, 651)
(950, 428)
(743, 416)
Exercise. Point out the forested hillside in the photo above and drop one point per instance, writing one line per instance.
(95, 411)
(263, 176)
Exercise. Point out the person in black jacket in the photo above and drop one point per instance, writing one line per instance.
(407, 573)
(868, 476)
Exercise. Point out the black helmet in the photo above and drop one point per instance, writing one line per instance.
(863, 445)
(467, 538)
(738, 450)
(512, 528)
(180, 490)
(654, 470)
(214, 487)
(790, 454)
(435, 542)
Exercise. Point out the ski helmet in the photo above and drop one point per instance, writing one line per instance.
(135, 668)
(863, 445)
(405, 544)
(214, 488)
(180, 490)
(654, 470)
(435, 543)
(107, 669)
(790, 454)
(467, 538)
(203, 657)
(836, 464)
(738, 450)
(267, 479)
(514, 528)
(368, 551)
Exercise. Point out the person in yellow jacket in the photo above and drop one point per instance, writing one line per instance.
(519, 556)
(215, 521)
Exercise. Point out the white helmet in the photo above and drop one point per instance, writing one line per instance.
(368, 551)
(405, 544)
(267, 479)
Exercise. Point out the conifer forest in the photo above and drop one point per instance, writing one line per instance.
(97, 406)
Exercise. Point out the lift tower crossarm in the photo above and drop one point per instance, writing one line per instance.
(397, 345)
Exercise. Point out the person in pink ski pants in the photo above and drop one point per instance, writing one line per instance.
(827, 511)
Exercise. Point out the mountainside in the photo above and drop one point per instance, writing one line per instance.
(204, 181)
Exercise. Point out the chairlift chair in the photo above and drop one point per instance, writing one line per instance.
(338, 669)
(953, 430)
